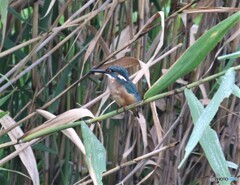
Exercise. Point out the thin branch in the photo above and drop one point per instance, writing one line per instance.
(51, 130)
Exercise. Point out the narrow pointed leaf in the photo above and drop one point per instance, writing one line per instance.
(95, 155)
(230, 56)
(5, 98)
(209, 141)
(204, 119)
(236, 91)
(27, 156)
(3, 20)
(2, 114)
(194, 55)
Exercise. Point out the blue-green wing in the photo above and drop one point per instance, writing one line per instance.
(131, 88)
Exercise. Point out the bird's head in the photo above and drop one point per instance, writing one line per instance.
(114, 72)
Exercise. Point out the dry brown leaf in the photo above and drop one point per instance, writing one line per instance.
(146, 177)
(161, 40)
(64, 118)
(156, 121)
(128, 150)
(27, 157)
(49, 8)
(153, 46)
(17, 151)
(125, 62)
(154, 135)
(103, 101)
(193, 32)
(124, 38)
(161, 104)
(70, 132)
(151, 162)
(150, 22)
(181, 81)
(204, 91)
(102, 42)
(95, 100)
(184, 19)
(205, 101)
(144, 71)
(143, 126)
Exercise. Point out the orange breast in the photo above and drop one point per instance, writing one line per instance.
(120, 94)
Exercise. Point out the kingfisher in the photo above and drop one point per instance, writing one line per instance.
(122, 89)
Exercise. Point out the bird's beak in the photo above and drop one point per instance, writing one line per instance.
(98, 71)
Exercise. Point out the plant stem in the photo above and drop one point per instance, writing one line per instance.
(51, 130)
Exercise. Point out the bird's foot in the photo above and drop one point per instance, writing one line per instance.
(124, 109)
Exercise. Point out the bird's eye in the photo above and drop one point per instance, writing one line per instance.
(108, 70)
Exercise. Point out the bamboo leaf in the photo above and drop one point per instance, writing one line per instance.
(236, 91)
(230, 56)
(209, 141)
(2, 114)
(49, 8)
(95, 154)
(204, 119)
(194, 55)
(3, 15)
(5, 98)
(232, 165)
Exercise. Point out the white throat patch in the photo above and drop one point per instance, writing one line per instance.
(109, 76)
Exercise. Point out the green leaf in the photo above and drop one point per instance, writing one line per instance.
(230, 56)
(16, 14)
(202, 118)
(236, 91)
(194, 55)
(2, 114)
(5, 98)
(14, 171)
(95, 154)
(232, 165)
(3, 15)
(209, 141)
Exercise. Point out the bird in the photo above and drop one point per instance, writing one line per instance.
(122, 89)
